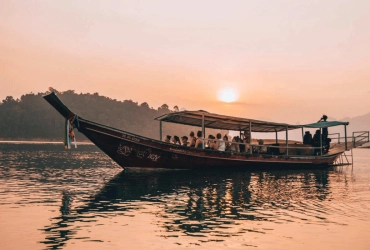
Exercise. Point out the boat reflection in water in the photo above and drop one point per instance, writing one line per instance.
(200, 204)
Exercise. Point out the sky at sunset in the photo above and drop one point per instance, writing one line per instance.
(288, 61)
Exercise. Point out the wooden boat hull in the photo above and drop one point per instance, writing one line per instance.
(130, 150)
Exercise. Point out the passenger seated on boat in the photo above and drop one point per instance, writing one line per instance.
(227, 144)
(210, 142)
(192, 139)
(326, 146)
(234, 147)
(167, 139)
(213, 144)
(192, 142)
(316, 141)
(184, 141)
(261, 149)
(242, 140)
(245, 138)
(199, 141)
(176, 140)
(220, 145)
(307, 138)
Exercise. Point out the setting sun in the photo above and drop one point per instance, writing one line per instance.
(227, 95)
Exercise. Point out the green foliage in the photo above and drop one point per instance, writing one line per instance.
(31, 117)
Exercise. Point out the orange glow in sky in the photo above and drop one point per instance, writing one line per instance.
(292, 61)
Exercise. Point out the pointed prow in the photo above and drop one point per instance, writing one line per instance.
(54, 101)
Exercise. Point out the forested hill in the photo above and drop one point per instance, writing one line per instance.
(32, 118)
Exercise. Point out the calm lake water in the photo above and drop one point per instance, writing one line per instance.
(51, 198)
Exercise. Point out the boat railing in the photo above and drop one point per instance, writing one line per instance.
(360, 137)
(265, 148)
(335, 138)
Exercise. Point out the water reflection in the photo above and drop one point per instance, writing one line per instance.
(201, 204)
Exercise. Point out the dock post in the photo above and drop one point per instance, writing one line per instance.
(286, 135)
(203, 132)
(160, 130)
(345, 137)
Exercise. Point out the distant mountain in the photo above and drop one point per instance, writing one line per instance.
(359, 123)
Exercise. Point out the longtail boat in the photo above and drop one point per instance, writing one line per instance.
(131, 150)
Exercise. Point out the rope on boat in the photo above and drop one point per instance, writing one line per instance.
(69, 135)
(76, 122)
(67, 144)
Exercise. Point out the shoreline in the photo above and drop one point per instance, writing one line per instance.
(41, 142)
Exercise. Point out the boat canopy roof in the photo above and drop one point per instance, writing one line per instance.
(216, 121)
(324, 124)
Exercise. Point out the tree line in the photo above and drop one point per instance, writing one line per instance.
(31, 118)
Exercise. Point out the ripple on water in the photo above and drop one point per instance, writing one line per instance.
(87, 191)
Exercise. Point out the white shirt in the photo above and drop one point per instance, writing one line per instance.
(222, 146)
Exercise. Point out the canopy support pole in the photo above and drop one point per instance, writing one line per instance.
(203, 132)
(160, 130)
(286, 135)
(250, 137)
(302, 134)
(320, 141)
(276, 135)
(345, 136)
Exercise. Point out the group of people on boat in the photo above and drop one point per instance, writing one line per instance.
(318, 137)
(212, 142)
(242, 143)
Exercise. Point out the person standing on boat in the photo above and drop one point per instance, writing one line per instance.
(325, 132)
